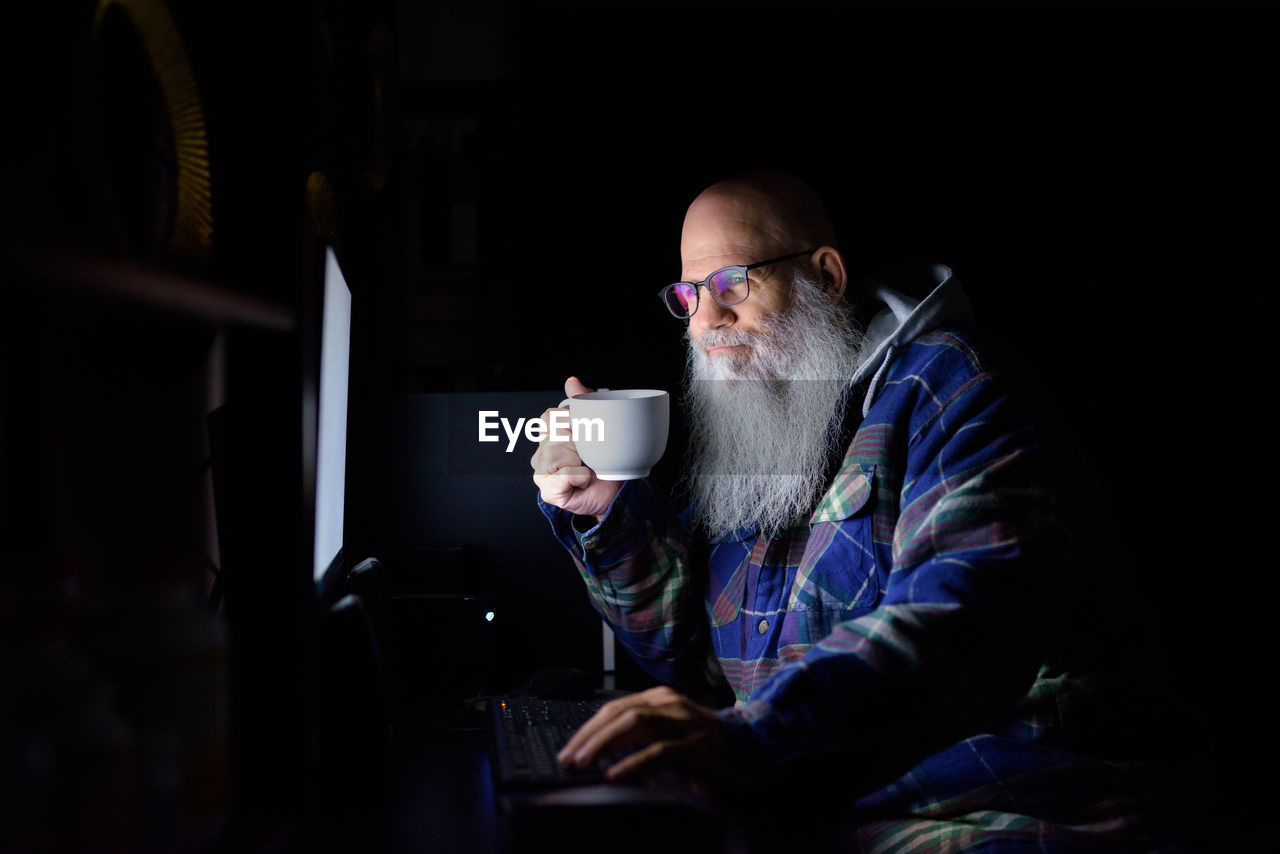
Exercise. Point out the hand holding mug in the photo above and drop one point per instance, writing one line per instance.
(616, 435)
(564, 480)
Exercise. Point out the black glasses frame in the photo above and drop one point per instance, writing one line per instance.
(662, 294)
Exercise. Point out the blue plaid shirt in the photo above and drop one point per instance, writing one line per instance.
(920, 632)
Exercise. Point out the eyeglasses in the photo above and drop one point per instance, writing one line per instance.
(729, 286)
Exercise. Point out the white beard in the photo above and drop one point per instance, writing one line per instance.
(764, 422)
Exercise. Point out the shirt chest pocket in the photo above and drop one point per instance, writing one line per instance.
(837, 578)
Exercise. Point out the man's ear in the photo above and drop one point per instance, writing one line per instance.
(831, 270)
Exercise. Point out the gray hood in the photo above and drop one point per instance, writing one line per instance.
(917, 299)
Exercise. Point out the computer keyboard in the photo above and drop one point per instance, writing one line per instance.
(526, 733)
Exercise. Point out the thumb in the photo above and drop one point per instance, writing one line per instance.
(573, 387)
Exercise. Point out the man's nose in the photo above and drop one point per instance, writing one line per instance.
(710, 314)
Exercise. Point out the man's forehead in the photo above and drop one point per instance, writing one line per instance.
(700, 260)
(713, 258)
(722, 230)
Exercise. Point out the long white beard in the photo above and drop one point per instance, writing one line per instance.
(763, 422)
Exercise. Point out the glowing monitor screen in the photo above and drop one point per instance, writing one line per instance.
(331, 444)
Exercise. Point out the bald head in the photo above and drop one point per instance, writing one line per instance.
(757, 215)
(752, 217)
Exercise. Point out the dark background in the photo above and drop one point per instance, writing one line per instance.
(508, 185)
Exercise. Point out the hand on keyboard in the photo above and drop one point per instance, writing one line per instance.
(657, 729)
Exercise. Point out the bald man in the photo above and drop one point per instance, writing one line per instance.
(872, 591)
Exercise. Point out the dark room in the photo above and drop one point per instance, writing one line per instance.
(295, 559)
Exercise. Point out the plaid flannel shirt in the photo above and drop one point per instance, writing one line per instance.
(914, 634)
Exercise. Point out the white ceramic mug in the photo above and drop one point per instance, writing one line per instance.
(620, 433)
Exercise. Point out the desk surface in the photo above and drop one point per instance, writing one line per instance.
(441, 792)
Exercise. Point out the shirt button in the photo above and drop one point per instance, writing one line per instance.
(764, 626)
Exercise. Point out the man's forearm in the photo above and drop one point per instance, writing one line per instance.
(636, 567)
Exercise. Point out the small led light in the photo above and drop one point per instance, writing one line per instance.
(488, 616)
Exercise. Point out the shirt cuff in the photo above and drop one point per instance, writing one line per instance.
(603, 541)
(638, 513)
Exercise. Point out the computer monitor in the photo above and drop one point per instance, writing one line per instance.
(456, 523)
(331, 434)
(278, 458)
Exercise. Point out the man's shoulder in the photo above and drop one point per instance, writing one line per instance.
(945, 364)
(951, 350)
(943, 358)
